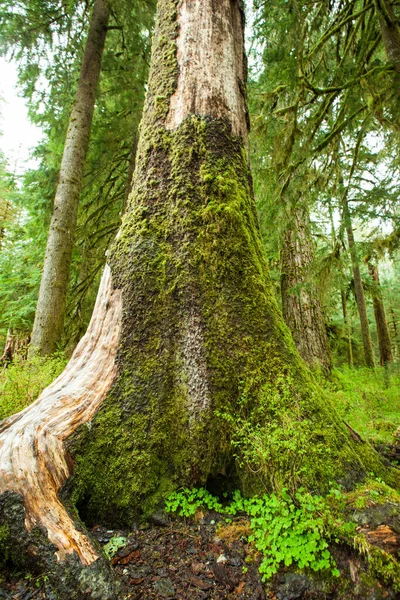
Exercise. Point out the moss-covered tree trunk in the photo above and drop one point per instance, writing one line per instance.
(382, 329)
(301, 304)
(358, 289)
(187, 351)
(347, 325)
(50, 309)
(394, 327)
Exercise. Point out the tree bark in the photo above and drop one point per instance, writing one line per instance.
(347, 326)
(131, 171)
(382, 329)
(49, 317)
(186, 339)
(16, 344)
(390, 30)
(395, 330)
(302, 309)
(359, 290)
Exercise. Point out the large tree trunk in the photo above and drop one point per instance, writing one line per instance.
(49, 316)
(302, 309)
(382, 329)
(185, 325)
(359, 290)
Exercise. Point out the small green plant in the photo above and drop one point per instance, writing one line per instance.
(187, 502)
(38, 580)
(112, 547)
(288, 531)
(285, 530)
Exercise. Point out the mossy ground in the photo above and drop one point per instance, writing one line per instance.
(369, 400)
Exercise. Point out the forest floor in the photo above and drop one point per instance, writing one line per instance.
(206, 559)
(172, 559)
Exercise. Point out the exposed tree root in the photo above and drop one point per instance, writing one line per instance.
(33, 460)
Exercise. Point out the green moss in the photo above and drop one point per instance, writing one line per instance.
(384, 567)
(4, 544)
(23, 381)
(372, 492)
(368, 401)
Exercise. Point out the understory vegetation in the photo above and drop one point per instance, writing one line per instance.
(299, 529)
(22, 381)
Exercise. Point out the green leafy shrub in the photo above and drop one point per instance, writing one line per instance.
(187, 502)
(288, 531)
(276, 440)
(23, 380)
(285, 530)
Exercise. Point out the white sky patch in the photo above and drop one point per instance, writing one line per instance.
(18, 135)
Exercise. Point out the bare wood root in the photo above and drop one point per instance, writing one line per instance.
(33, 460)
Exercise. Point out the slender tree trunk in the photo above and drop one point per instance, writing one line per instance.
(347, 325)
(395, 329)
(16, 344)
(390, 30)
(302, 309)
(5, 214)
(382, 329)
(185, 328)
(9, 349)
(336, 245)
(359, 291)
(49, 317)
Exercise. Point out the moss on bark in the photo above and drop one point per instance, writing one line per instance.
(201, 334)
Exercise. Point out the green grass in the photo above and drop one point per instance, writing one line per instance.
(368, 400)
(22, 381)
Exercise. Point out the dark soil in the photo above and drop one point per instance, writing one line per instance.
(196, 560)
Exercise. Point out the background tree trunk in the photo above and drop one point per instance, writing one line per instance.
(347, 325)
(185, 328)
(390, 31)
(49, 316)
(302, 309)
(395, 330)
(382, 329)
(359, 290)
(131, 171)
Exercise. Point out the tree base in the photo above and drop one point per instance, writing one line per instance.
(31, 551)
